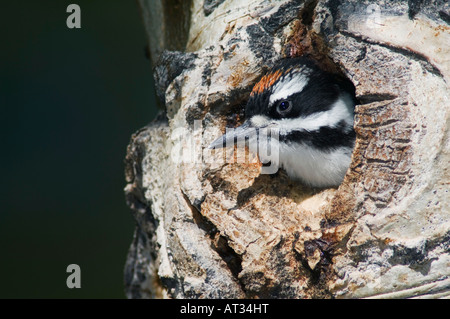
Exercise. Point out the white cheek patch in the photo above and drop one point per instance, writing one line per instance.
(340, 111)
(288, 86)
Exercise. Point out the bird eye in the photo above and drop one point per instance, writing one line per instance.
(284, 106)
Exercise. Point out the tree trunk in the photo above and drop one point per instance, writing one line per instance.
(208, 228)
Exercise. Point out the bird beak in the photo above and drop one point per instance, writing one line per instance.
(239, 134)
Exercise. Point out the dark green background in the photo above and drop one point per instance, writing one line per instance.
(70, 100)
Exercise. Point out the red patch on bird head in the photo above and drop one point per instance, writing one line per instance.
(266, 81)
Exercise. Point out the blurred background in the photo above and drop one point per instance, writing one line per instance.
(70, 100)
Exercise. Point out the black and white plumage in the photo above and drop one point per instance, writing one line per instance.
(312, 111)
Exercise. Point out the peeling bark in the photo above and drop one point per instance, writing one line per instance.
(208, 230)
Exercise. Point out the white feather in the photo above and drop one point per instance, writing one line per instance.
(314, 167)
(288, 86)
(341, 110)
(259, 121)
(302, 162)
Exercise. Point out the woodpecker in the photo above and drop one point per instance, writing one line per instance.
(312, 112)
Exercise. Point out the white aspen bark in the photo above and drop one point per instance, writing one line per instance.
(208, 230)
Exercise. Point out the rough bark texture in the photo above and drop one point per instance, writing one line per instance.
(208, 230)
